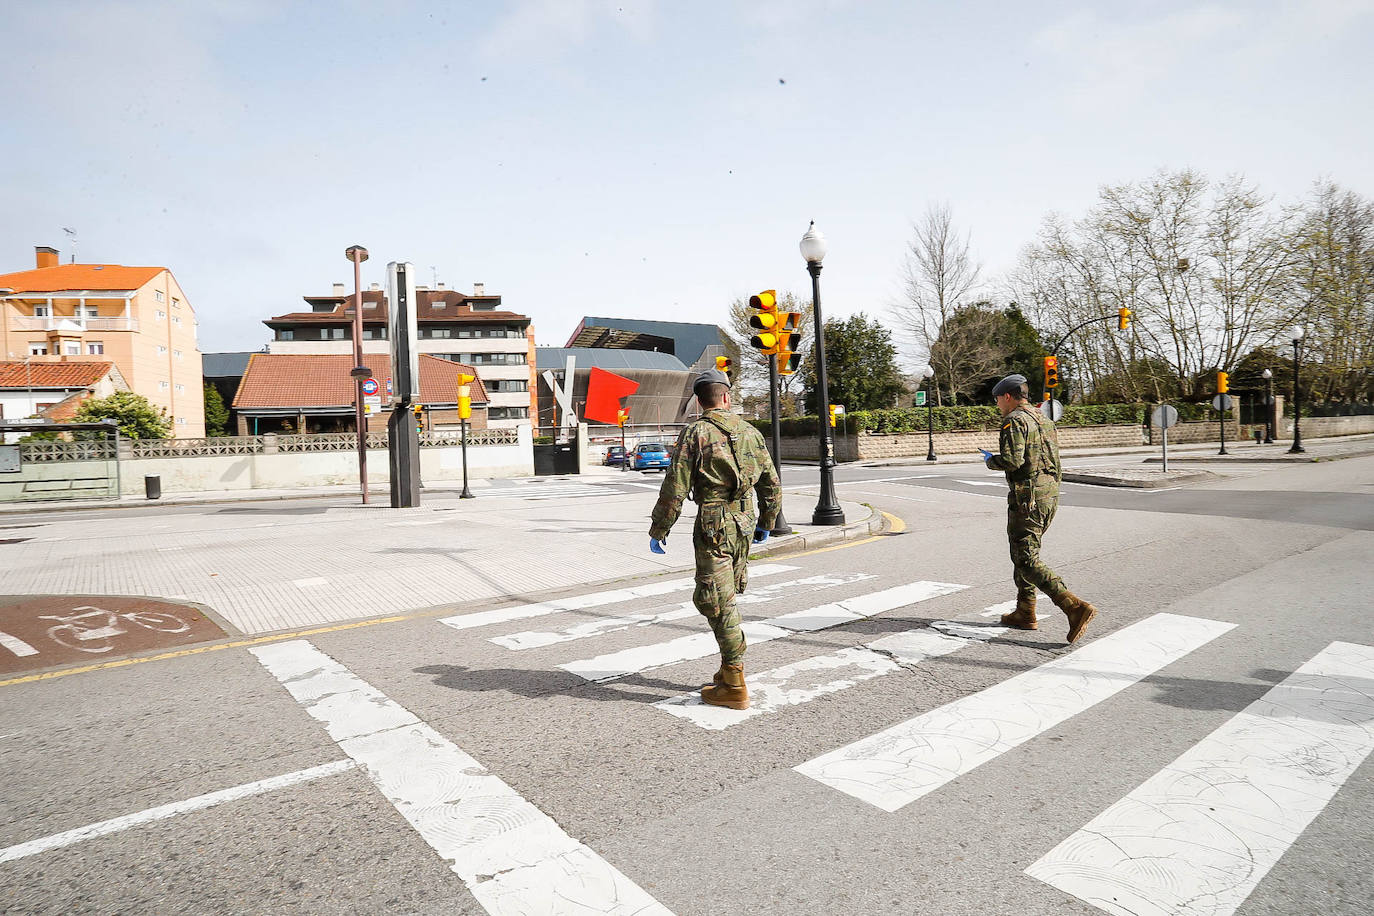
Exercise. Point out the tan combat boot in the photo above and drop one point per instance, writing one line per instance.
(1079, 613)
(1023, 618)
(730, 692)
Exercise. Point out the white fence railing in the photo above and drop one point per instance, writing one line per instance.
(56, 450)
(26, 323)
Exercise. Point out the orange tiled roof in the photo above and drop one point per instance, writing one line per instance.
(322, 380)
(79, 276)
(52, 375)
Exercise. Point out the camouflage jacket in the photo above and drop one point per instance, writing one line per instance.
(709, 467)
(1028, 454)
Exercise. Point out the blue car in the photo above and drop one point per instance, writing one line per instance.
(650, 455)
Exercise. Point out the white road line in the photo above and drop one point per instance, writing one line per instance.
(898, 765)
(1198, 836)
(512, 857)
(533, 639)
(797, 683)
(114, 825)
(310, 583)
(700, 645)
(982, 483)
(592, 599)
(885, 479)
(997, 610)
(16, 645)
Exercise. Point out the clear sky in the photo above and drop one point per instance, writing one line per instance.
(633, 158)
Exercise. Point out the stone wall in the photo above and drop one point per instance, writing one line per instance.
(1198, 431)
(866, 447)
(1313, 427)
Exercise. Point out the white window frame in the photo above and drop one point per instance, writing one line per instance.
(38, 349)
(161, 349)
(95, 348)
(157, 294)
(163, 386)
(71, 348)
(42, 311)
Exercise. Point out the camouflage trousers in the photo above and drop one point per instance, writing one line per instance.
(721, 542)
(1025, 527)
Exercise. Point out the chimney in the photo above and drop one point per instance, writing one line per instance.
(47, 257)
(375, 287)
(479, 289)
(441, 286)
(339, 289)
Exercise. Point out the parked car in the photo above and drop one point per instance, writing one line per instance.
(615, 456)
(650, 455)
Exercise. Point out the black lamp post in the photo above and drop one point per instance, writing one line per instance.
(1297, 334)
(923, 373)
(1268, 377)
(828, 511)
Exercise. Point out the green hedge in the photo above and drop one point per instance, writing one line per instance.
(950, 419)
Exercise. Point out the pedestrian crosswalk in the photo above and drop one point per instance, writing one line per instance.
(552, 490)
(1197, 838)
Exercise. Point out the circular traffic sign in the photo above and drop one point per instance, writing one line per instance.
(1052, 409)
(1164, 416)
(1222, 402)
(369, 386)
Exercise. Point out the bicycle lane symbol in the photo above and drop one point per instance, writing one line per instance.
(46, 631)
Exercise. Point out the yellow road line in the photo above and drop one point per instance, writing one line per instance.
(895, 525)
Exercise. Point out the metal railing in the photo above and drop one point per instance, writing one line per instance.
(48, 323)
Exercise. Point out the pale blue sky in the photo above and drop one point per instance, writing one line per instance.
(628, 157)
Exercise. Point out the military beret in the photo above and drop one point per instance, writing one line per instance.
(1009, 385)
(710, 377)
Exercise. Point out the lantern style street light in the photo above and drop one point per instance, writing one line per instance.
(1296, 335)
(828, 511)
(923, 373)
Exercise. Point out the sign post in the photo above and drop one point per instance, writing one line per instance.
(1164, 416)
(1222, 403)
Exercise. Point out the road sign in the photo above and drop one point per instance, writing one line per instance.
(369, 386)
(1164, 416)
(1053, 409)
(839, 410)
(388, 388)
(920, 399)
(1221, 402)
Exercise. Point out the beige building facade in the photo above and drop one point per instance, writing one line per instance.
(135, 317)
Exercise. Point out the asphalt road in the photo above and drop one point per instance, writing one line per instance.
(473, 760)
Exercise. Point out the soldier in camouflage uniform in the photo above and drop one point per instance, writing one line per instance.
(718, 461)
(1029, 455)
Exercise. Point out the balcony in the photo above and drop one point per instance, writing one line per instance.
(73, 325)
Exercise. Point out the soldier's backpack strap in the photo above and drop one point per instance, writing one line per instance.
(734, 453)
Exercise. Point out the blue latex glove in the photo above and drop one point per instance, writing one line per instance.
(760, 535)
(656, 546)
(986, 454)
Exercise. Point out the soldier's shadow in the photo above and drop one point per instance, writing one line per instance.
(537, 684)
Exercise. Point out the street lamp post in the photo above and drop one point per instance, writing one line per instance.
(924, 373)
(828, 511)
(1268, 377)
(1297, 334)
(358, 254)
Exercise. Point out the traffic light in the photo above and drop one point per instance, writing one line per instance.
(1223, 383)
(1123, 318)
(832, 414)
(419, 411)
(766, 321)
(464, 391)
(1051, 372)
(622, 416)
(791, 340)
(723, 364)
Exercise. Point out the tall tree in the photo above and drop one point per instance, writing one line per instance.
(938, 276)
(216, 414)
(136, 418)
(861, 366)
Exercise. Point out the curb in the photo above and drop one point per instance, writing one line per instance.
(1105, 480)
(1242, 459)
(799, 541)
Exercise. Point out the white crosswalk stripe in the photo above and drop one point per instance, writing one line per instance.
(532, 639)
(794, 684)
(1199, 836)
(700, 645)
(900, 764)
(513, 858)
(592, 599)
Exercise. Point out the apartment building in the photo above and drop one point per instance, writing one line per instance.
(470, 329)
(135, 317)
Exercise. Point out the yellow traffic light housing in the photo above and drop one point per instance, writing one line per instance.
(832, 414)
(622, 416)
(723, 364)
(1123, 318)
(1051, 372)
(766, 321)
(788, 344)
(1223, 383)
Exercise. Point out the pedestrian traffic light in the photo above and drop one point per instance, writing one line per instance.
(1051, 372)
(465, 381)
(791, 340)
(723, 364)
(419, 411)
(766, 321)
(622, 417)
(1123, 318)
(1223, 383)
(832, 414)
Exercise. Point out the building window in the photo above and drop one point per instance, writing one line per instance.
(161, 349)
(181, 421)
(95, 348)
(436, 333)
(157, 294)
(72, 348)
(162, 386)
(90, 311)
(333, 333)
(38, 349)
(492, 359)
(504, 385)
(181, 389)
(161, 314)
(176, 320)
(374, 333)
(42, 311)
(177, 354)
(507, 413)
(286, 334)
(176, 303)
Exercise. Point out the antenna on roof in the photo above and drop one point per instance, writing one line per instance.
(71, 234)
(434, 274)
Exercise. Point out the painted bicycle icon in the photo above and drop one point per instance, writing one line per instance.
(93, 630)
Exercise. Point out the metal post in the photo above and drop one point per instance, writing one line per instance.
(1221, 400)
(1269, 411)
(356, 255)
(930, 427)
(780, 526)
(1297, 448)
(466, 494)
(1166, 449)
(828, 511)
(624, 455)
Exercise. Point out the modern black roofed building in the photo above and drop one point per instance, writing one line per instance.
(665, 384)
(696, 345)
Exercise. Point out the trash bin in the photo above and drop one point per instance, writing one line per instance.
(152, 486)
